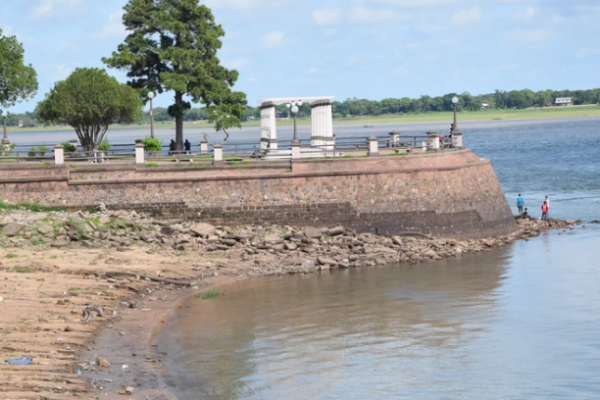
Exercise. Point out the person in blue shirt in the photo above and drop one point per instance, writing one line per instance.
(520, 204)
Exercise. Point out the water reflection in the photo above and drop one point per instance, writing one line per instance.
(382, 333)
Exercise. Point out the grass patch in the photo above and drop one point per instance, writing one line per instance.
(73, 289)
(11, 255)
(211, 294)
(24, 270)
(34, 207)
(240, 163)
(151, 165)
(37, 242)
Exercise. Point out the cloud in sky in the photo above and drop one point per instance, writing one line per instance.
(525, 14)
(469, 16)
(51, 8)
(367, 15)
(363, 48)
(114, 27)
(327, 16)
(273, 39)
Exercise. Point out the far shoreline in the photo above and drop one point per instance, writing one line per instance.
(492, 116)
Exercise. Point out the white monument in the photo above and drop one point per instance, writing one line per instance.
(322, 121)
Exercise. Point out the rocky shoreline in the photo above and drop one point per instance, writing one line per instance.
(57, 266)
(263, 250)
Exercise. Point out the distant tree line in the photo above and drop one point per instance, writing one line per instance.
(354, 107)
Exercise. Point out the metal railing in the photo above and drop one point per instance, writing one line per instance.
(231, 151)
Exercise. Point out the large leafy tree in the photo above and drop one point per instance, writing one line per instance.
(172, 46)
(17, 81)
(90, 100)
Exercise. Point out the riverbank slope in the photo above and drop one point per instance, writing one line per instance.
(56, 265)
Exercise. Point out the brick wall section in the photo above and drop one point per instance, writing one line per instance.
(444, 195)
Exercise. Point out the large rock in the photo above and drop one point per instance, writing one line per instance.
(338, 230)
(203, 230)
(327, 261)
(6, 220)
(62, 242)
(313, 233)
(273, 238)
(12, 229)
(46, 230)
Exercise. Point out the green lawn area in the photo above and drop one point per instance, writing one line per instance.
(485, 115)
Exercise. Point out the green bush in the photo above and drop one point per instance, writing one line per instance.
(211, 294)
(104, 145)
(151, 144)
(31, 152)
(69, 148)
(42, 150)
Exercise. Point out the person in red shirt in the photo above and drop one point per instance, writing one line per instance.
(545, 211)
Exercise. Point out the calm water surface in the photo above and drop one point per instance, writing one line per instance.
(522, 322)
(519, 323)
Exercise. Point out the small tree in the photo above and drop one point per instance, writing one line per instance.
(90, 100)
(172, 46)
(17, 81)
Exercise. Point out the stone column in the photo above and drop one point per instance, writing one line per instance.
(394, 139)
(295, 150)
(203, 147)
(218, 148)
(373, 146)
(139, 154)
(434, 140)
(457, 139)
(268, 127)
(59, 155)
(322, 125)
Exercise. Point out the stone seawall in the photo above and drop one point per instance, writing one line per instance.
(450, 194)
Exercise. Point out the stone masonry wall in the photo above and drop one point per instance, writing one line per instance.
(451, 194)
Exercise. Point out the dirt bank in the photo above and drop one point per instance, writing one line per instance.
(55, 265)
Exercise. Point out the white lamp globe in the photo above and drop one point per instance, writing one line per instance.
(299, 103)
(455, 100)
(295, 109)
(288, 105)
(151, 95)
(4, 113)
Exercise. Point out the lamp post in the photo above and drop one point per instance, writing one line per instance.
(151, 96)
(293, 106)
(455, 102)
(455, 132)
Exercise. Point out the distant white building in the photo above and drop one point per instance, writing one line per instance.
(563, 101)
(485, 106)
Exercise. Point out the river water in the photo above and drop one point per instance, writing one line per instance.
(521, 322)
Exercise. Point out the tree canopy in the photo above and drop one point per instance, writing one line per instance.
(17, 81)
(173, 47)
(90, 100)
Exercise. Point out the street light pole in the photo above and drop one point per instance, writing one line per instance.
(455, 102)
(293, 106)
(151, 96)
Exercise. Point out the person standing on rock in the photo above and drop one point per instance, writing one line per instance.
(545, 209)
(547, 201)
(520, 204)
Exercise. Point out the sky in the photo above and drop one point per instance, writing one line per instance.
(345, 48)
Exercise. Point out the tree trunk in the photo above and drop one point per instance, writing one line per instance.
(179, 121)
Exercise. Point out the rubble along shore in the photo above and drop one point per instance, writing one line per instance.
(54, 265)
(266, 249)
